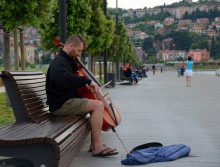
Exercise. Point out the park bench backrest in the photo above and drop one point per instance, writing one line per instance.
(26, 91)
(122, 73)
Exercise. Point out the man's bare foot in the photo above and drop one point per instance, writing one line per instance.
(105, 152)
(90, 147)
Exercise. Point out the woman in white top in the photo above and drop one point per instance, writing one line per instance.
(189, 71)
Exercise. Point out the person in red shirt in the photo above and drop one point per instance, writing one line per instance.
(182, 68)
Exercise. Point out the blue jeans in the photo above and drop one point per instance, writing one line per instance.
(134, 76)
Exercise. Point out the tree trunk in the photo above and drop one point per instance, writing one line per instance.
(89, 62)
(92, 64)
(113, 67)
(22, 49)
(100, 70)
(16, 49)
(6, 58)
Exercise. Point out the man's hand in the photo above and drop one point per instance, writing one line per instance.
(94, 86)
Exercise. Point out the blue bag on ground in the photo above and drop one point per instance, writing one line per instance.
(157, 154)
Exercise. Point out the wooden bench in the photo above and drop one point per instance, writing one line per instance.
(37, 135)
(124, 78)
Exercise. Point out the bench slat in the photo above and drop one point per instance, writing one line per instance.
(23, 73)
(22, 82)
(34, 98)
(31, 85)
(27, 77)
(31, 95)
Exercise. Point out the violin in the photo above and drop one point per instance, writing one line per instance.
(111, 116)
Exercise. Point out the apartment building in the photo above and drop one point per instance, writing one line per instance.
(171, 54)
(199, 55)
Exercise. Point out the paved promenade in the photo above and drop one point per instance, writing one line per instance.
(162, 109)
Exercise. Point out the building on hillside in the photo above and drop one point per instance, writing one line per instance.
(185, 22)
(217, 19)
(168, 21)
(183, 28)
(167, 55)
(211, 33)
(153, 11)
(198, 28)
(172, 11)
(152, 22)
(181, 10)
(199, 55)
(160, 31)
(137, 34)
(158, 25)
(217, 26)
(131, 25)
(202, 21)
(129, 13)
(139, 12)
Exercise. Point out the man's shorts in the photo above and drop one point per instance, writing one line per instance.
(74, 106)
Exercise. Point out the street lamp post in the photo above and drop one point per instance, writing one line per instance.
(62, 20)
(117, 33)
(105, 52)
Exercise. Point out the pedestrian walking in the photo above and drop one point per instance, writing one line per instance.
(182, 67)
(153, 69)
(179, 71)
(189, 71)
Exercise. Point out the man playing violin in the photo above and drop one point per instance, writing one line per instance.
(63, 98)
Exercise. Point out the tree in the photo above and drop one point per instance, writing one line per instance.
(101, 29)
(194, 46)
(122, 41)
(147, 44)
(46, 59)
(182, 40)
(78, 22)
(151, 52)
(17, 14)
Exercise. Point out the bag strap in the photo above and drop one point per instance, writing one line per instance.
(147, 145)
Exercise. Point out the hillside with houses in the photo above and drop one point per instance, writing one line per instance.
(160, 34)
(173, 32)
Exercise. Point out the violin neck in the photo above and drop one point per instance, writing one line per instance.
(88, 72)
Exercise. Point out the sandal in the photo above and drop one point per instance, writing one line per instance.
(104, 153)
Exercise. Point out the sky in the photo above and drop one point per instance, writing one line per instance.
(135, 4)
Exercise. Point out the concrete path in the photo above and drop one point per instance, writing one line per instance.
(2, 89)
(162, 109)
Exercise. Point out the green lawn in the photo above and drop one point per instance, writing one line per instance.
(6, 113)
(44, 70)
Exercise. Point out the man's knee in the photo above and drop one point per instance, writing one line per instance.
(99, 104)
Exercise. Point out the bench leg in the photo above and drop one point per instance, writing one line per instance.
(38, 154)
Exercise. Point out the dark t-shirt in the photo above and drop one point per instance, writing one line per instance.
(128, 72)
